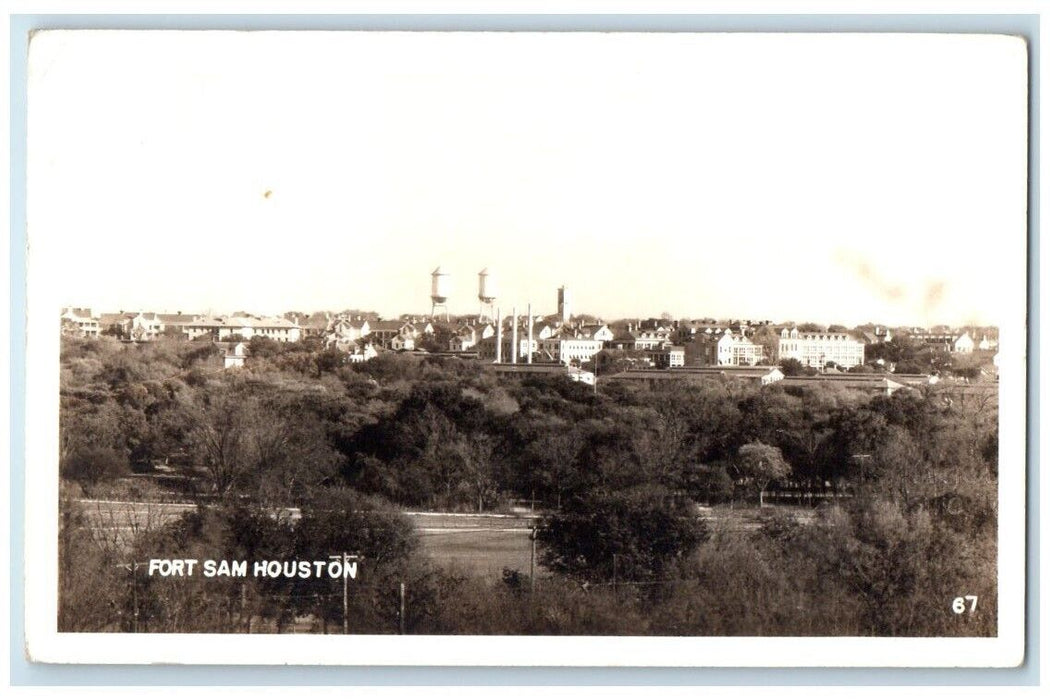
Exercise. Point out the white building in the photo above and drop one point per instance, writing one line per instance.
(964, 343)
(737, 351)
(80, 323)
(818, 349)
(566, 349)
(235, 356)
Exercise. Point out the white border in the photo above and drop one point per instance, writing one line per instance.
(44, 643)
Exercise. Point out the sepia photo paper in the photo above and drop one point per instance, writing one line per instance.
(526, 348)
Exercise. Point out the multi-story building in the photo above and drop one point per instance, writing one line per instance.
(817, 349)
(394, 335)
(566, 348)
(343, 333)
(275, 328)
(80, 323)
(667, 357)
(727, 349)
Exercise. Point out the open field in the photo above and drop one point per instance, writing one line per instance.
(478, 545)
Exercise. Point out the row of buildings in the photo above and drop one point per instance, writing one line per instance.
(145, 326)
(527, 339)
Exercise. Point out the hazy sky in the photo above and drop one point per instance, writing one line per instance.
(835, 178)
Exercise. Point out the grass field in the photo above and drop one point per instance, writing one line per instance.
(474, 545)
(484, 545)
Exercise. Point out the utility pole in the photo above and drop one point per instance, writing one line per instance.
(134, 597)
(346, 589)
(401, 609)
(346, 609)
(133, 568)
(532, 561)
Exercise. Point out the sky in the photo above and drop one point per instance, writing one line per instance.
(829, 178)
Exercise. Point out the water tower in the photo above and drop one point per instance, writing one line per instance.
(440, 286)
(486, 292)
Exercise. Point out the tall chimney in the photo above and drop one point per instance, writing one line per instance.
(499, 337)
(514, 335)
(529, 361)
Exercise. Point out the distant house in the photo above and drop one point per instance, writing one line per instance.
(467, 336)
(363, 352)
(401, 342)
(942, 341)
(344, 334)
(461, 343)
(144, 327)
(964, 343)
(235, 356)
(597, 331)
(174, 325)
(383, 334)
(315, 325)
(80, 323)
(725, 349)
(667, 357)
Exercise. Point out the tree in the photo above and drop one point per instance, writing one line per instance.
(88, 465)
(246, 443)
(761, 463)
(792, 367)
(707, 484)
(635, 535)
(769, 339)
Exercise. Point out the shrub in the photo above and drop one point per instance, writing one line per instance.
(89, 465)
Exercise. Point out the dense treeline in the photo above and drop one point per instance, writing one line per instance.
(619, 473)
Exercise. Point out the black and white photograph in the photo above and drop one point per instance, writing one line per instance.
(673, 349)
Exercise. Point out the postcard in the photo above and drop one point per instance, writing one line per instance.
(526, 348)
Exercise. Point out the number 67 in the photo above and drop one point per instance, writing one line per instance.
(959, 604)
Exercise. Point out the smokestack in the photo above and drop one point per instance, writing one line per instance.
(499, 337)
(530, 335)
(514, 336)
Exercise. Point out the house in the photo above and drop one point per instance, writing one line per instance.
(235, 356)
(597, 331)
(80, 323)
(666, 357)
(315, 325)
(144, 327)
(987, 343)
(963, 344)
(344, 333)
(943, 341)
(402, 341)
(114, 324)
(383, 333)
(174, 325)
(363, 352)
(726, 349)
(467, 336)
(461, 343)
